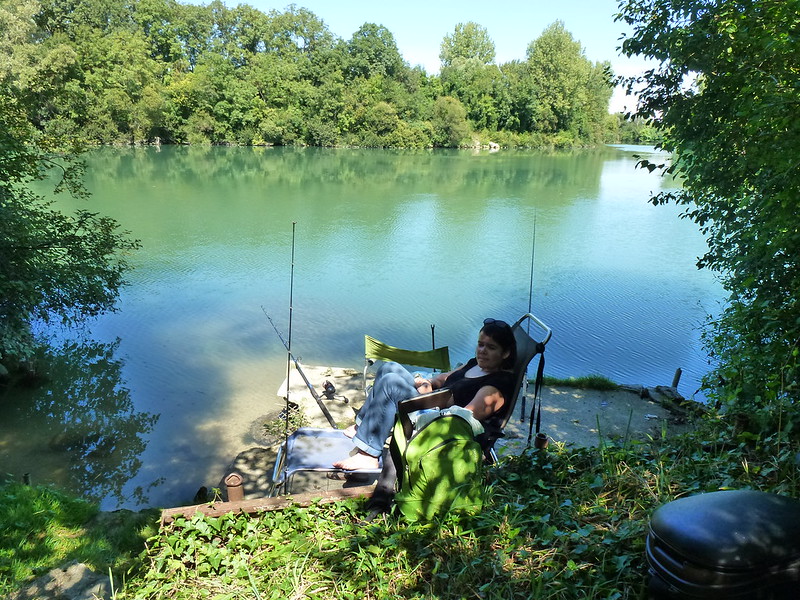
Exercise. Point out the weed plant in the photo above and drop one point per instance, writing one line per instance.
(561, 523)
(584, 382)
(558, 524)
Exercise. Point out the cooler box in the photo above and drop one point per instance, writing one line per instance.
(732, 544)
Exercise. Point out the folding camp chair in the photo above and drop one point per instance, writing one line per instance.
(527, 349)
(312, 449)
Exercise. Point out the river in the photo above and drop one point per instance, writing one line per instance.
(386, 243)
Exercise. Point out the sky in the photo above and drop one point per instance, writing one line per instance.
(419, 26)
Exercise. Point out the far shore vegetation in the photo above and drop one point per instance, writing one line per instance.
(561, 523)
(161, 71)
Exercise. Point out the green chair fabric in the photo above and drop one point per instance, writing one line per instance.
(438, 358)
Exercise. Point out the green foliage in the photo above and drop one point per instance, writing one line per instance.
(160, 71)
(41, 529)
(469, 41)
(277, 428)
(729, 117)
(373, 51)
(636, 131)
(584, 382)
(449, 121)
(55, 267)
(557, 524)
(562, 523)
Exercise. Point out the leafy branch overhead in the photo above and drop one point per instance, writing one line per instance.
(54, 266)
(725, 92)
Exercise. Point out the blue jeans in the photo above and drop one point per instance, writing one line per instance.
(393, 383)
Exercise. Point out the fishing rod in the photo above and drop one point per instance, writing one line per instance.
(541, 438)
(289, 345)
(310, 387)
(530, 307)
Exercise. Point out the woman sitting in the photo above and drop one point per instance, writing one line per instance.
(483, 386)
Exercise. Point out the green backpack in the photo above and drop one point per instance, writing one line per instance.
(440, 467)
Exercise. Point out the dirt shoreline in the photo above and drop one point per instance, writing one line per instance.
(584, 418)
(573, 416)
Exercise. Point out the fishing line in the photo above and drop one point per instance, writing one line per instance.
(289, 336)
(290, 358)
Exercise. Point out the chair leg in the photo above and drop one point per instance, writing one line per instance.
(382, 497)
(279, 476)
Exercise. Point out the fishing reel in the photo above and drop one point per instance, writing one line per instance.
(329, 391)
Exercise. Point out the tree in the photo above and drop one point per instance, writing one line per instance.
(373, 51)
(726, 95)
(479, 88)
(53, 266)
(450, 127)
(559, 74)
(468, 41)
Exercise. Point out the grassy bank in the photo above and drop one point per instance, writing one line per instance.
(583, 382)
(41, 528)
(560, 524)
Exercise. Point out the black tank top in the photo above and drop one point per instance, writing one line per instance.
(464, 390)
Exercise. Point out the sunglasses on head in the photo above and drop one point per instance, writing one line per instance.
(497, 322)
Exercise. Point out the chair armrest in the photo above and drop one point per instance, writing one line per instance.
(442, 398)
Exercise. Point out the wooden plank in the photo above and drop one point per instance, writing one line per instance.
(216, 509)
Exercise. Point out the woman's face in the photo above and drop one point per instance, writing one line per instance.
(489, 354)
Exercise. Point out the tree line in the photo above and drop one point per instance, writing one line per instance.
(142, 71)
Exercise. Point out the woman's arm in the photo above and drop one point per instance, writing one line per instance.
(425, 386)
(486, 402)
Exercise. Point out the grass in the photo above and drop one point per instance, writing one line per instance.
(584, 382)
(559, 524)
(41, 528)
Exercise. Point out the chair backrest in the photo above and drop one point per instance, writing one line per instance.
(437, 358)
(527, 349)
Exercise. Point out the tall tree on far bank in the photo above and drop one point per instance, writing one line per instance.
(468, 41)
(561, 80)
(469, 74)
(726, 94)
(373, 51)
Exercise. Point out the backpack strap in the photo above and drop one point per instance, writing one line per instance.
(421, 418)
(537, 390)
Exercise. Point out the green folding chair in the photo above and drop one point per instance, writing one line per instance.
(437, 358)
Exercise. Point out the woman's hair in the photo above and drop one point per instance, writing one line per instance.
(501, 332)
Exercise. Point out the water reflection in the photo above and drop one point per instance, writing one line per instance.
(76, 425)
(455, 170)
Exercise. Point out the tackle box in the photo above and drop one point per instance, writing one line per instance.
(733, 544)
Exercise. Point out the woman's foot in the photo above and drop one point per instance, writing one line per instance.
(358, 462)
(350, 431)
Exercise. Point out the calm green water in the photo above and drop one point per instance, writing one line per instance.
(386, 243)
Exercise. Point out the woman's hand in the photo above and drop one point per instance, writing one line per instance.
(423, 385)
